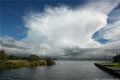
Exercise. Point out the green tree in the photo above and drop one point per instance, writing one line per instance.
(33, 58)
(11, 57)
(116, 58)
(50, 61)
(3, 55)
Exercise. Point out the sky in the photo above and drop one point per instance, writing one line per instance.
(64, 29)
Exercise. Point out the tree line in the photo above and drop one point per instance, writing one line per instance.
(116, 58)
(4, 57)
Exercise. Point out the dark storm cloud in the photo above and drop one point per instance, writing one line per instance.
(76, 51)
(15, 47)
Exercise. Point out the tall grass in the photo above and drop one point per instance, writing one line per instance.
(23, 63)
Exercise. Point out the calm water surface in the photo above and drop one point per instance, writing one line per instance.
(63, 70)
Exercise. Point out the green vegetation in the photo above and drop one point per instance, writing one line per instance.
(116, 61)
(8, 62)
(12, 57)
(33, 58)
(21, 63)
(115, 64)
(3, 55)
(50, 61)
(116, 58)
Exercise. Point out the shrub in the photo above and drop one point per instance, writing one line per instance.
(33, 58)
(50, 61)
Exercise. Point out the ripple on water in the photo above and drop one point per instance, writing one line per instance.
(63, 70)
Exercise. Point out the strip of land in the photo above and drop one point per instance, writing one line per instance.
(111, 68)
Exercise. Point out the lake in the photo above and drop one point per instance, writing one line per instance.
(63, 70)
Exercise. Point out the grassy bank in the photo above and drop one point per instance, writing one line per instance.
(24, 63)
(12, 61)
(115, 64)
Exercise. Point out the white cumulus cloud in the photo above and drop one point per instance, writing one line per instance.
(58, 30)
(62, 26)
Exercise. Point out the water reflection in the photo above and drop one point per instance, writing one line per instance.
(64, 70)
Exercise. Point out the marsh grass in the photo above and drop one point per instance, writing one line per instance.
(22, 63)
